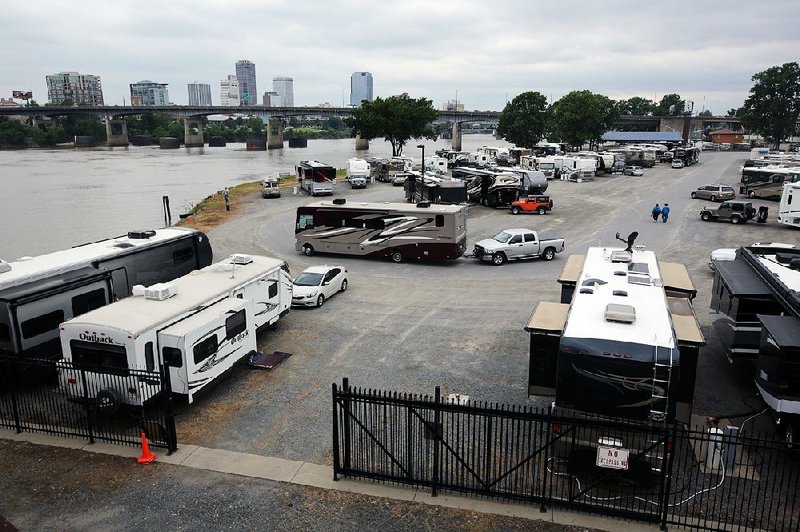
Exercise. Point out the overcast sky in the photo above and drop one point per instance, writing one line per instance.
(486, 51)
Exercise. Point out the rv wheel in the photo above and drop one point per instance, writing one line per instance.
(397, 257)
(107, 401)
(320, 300)
(308, 250)
(498, 259)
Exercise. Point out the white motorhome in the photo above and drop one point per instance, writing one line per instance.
(789, 212)
(357, 172)
(436, 164)
(316, 178)
(198, 326)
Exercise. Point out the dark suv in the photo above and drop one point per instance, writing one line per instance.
(732, 211)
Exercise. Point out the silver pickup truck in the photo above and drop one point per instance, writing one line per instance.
(513, 244)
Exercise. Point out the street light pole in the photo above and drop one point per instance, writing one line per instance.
(422, 168)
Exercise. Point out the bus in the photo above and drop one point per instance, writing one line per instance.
(398, 231)
(316, 178)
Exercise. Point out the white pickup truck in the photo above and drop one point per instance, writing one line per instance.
(511, 244)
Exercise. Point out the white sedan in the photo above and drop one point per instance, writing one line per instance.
(318, 283)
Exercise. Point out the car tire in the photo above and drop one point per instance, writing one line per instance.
(396, 257)
(344, 286)
(542, 210)
(308, 250)
(320, 300)
(713, 197)
(705, 217)
(751, 194)
(498, 259)
(549, 254)
(514, 210)
(694, 195)
(735, 220)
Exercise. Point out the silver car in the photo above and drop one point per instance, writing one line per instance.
(714, 192)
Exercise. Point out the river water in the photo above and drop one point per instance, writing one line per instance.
(55, 199)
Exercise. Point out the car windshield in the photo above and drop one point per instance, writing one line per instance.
(502, 237)
(308, 279)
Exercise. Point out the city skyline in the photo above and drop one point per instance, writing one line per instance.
(702, 52)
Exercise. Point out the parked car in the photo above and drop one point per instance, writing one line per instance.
(714, 192)
(733, 211)
(633, 170)
(270, 188)
(316, 284)
(513, 244)
(677, 163)
(537, 204)
(666, 157)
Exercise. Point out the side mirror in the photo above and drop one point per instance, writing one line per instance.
(325, 283)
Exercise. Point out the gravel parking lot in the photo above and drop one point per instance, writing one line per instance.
(410, 327)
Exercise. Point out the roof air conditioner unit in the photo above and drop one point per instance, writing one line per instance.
(620, 313)
(160, 291)
(620, 256)
(137, 290)
(4, 266)
(141, 235)
(240, 259)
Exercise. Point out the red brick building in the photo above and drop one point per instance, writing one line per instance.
(727, 136)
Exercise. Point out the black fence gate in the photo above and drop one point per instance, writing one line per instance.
(58, 397)
(648, 472)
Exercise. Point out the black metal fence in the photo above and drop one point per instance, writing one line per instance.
(650, 472)
(58, 397)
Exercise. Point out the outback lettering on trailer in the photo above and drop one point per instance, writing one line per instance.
(239, 337)
(94, 338)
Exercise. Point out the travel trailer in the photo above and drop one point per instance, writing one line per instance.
(357, 172)
(39, 293)
(394, 230)
(316, 178)
(197, 326)
(788, 211)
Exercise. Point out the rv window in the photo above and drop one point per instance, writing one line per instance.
(172, 357)
(149, 359)
(182, 255)
(354, 222)
(235, 324)
(42, 324)
(83, 303)
(305, 221)
(375, 223)
(96, 356)
(205, 349)
(439, 220)
(5, 333)
(273, 289)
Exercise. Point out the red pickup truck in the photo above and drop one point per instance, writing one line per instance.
(538, 204)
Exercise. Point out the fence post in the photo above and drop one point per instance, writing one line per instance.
(169, 416)
(437, 397)
(12, 380)
(88, 407)
(670, 449)
(336, 464)
(543, 508)
(409, 442)
(346, 408)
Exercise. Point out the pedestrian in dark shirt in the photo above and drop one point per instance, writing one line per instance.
(227, 199)
(655, 212)
(665, 213)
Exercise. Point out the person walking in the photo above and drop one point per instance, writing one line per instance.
(655, 213)
(665, 213)
(227, 199)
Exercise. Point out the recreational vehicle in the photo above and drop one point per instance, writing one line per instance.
(39, 293)
(395, 230)
(788, 212)
(772, 187)
(764, 174)
(357, 172)
(197, 326)
(493, 188)
(434, 189)
(316, 178)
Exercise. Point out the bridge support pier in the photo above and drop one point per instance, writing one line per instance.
(193, 132)
(456, 142)
(116, 132)
(275, 134)
(361, 144)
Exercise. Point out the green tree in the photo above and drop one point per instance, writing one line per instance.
(583, 116)
(773, 106)
(524, 119)
(662, 109)
(397, 119)
(637, 106)
(707, 112)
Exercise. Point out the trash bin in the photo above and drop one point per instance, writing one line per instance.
(295, 189)
(763, 213)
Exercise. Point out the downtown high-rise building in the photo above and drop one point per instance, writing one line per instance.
(246, 74)
(360, 88)
(229, 92)
(199, 93)
(271, 99)
(285, 88)
(74, 88)
(148, 92)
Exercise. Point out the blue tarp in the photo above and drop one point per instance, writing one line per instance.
(642, 136)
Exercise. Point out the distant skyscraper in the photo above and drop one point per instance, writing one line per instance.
(80, 89)
(285, 88)
(199, 94)
(147, 92)
(271, 99)
(360, 88)
(229, 92)
(246, 73)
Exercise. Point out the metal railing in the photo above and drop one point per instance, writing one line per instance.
(655, 472)
(58, 397)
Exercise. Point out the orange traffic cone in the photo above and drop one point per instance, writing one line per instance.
(147, 457)
(190, 220)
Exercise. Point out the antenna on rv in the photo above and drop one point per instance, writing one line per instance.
(630, 241)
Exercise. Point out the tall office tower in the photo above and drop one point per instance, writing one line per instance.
(229, 92)
(246, 73)
(148, 92)
(199, 94)
(285, 88)
(80, 89)
(360, 88)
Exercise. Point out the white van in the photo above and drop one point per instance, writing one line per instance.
(270, 188)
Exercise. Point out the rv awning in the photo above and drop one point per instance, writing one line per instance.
(572, 269)
(548, 318)
(676, 278)
(684, 321)
(785, 330)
